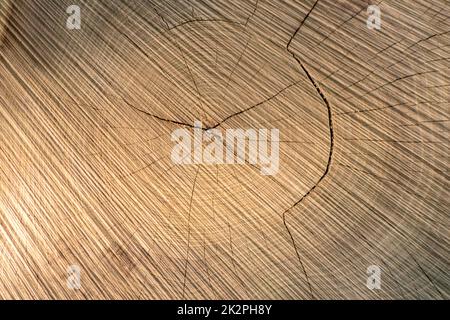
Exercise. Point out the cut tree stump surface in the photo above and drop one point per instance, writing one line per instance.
(86, 175)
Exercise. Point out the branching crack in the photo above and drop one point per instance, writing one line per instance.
(206, 128)
(330, 154)
(330, 125)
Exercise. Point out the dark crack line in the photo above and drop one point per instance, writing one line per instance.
(233, 261)
(367, 172)
(253, 13)
(157, 117)
(237, 63)
(225, 119)
(176, 26)
(205, 20)
(254, 106)
(189, 231)
(330, 124)
(388, 84)
(330, 155)
(373, 109)
(199, 96)
(425, 274)
(184, 124)
(301, 25)
(162, 19)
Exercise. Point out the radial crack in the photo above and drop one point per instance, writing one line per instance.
(330, 154)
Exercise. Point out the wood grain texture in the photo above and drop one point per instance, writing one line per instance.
(85, 140)
(5, 11)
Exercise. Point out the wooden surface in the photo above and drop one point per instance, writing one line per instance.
(86, 176)
(5, 11)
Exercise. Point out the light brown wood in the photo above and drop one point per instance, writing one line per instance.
(86, 177)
